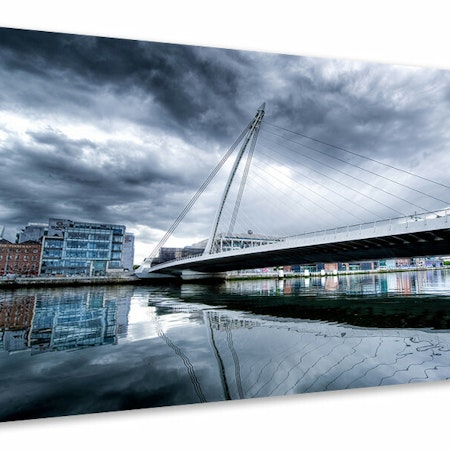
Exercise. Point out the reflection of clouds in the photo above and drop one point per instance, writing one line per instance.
(210, 343)
(131, 375)
(281, 358)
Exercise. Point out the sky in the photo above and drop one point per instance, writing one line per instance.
(125, 131)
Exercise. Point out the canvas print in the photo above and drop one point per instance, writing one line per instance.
(183, 224)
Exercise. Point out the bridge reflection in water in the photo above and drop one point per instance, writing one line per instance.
(148, 346)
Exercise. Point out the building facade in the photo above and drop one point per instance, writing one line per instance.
(82, 248)
(19, 259)
(32, 232)
(128, 252)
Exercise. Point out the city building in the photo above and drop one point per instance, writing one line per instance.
(170, 253)
(20, 259)
(128, 252)
(32, 232)
(82, 248)
(225, 242)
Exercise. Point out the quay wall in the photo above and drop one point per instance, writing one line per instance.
(27, 282)
(49, 282)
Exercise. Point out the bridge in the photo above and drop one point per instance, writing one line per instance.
(426, 233)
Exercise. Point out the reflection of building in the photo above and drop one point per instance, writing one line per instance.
(82, 248)
(16, 317)
(77, 321)
(61, 321)
(220, 322)
(20, 259)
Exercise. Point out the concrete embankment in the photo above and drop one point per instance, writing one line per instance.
(27, 282)
(41, 282)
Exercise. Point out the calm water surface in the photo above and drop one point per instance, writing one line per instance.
(84, 350)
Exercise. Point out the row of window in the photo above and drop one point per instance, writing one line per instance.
(91, 254)
(18, 250)
(98, 236)
(65, 263)
(70, 243)
(24, 268)
(18, 258)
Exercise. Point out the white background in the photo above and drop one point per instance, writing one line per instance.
(401, 32)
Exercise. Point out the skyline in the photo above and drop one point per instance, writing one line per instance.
(122, 131)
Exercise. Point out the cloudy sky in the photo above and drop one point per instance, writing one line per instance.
(124, 131)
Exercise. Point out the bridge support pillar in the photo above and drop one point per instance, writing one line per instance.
(192, 275)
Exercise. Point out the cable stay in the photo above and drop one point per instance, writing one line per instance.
(326, 187)
(361, 156)
(202, 188)
(371, 185)
(370, 171)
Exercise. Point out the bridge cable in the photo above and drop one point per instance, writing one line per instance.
(361, 156)
(365, 182)
(370, 171)
(355, 190)
(303, 186)
(198, 193)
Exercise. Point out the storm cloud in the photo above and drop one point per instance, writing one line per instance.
(123, 131)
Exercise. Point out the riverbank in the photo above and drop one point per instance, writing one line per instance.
(27, 282)
(49, 282)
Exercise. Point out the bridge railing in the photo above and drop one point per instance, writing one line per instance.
(388, 225)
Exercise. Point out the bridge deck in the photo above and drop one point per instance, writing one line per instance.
(426, 235)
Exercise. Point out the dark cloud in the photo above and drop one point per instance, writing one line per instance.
(125, 131)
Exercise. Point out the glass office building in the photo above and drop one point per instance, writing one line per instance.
(82, 248)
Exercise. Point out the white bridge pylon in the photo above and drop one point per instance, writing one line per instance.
(416, 235)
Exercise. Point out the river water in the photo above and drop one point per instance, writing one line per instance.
(93, 349)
